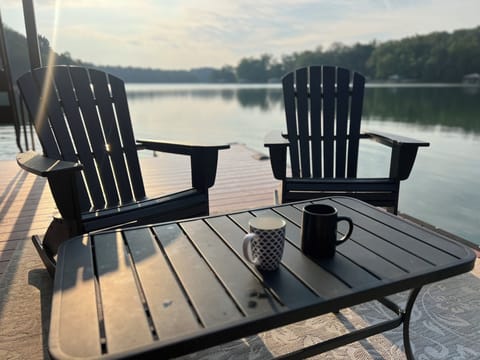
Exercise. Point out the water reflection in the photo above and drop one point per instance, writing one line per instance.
(430, 105)
(262, 98)
(247, 97)
(445, 106)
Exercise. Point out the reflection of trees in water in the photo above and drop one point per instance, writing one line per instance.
(253, 98)
(166, 93)
(228, 94)
(447, 106)
(264, 98)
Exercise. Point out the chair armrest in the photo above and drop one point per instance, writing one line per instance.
(203, 159)
(38, 164)
(393, 140)
(404, 151)
(275, 138)
(62, 179)
(177, 148)
(277, 147)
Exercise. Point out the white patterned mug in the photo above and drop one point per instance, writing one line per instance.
(265, 242)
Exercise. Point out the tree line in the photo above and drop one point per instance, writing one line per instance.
(436, 57)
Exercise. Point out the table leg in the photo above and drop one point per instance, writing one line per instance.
(406, 323)
(403, 316)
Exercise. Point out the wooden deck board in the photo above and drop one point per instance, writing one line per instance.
(26, 206)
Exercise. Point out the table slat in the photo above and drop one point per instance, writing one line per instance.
(322, 282)
(369, 261)
(119, 295)
(402, 240)
(77, 324)
(388, 251)
(282, 282)
(245, 287)
(169, 309)
(423, 235)
(340, 266)
(210, 299)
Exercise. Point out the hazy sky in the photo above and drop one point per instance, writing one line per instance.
(183, 34)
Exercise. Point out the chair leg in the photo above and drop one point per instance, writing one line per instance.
(58, 231)
(47, 258)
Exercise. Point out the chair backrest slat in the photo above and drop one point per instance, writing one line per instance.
(290, 113)
(43, 104)
(33, 101)
(323, 121)
(111, 133)
(328, 119)
(303, 120)
(343, 80)
(86, 100)
(356, 109)
(125, 125)
(55, 115)
(80, 138)
(316, 118)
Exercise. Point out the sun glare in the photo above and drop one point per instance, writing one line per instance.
(46, 90)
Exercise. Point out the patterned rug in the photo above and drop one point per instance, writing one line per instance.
(445, 322)
(445, 325)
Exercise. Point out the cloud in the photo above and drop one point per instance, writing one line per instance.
(189, 33)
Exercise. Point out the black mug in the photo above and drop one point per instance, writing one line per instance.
(319, 230)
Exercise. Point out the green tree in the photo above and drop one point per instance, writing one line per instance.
(225, 75)
(254, 70)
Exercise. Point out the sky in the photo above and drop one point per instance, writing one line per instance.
(185, 34)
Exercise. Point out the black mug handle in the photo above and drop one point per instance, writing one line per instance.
(350, 228)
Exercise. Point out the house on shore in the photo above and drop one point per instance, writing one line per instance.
(471, 79)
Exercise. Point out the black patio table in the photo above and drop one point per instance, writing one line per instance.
(169, 289)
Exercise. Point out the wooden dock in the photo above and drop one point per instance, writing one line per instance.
(26, 206)
(243, 181)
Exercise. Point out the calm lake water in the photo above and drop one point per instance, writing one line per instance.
(443, 189)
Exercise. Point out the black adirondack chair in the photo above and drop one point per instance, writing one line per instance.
(90, 157)
(323, 113)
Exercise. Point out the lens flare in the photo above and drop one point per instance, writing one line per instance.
(47, 87)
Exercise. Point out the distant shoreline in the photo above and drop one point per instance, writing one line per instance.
(141, 88)
(371, 83)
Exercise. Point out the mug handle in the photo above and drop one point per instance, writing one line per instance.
(246, 242)
(350, 228)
